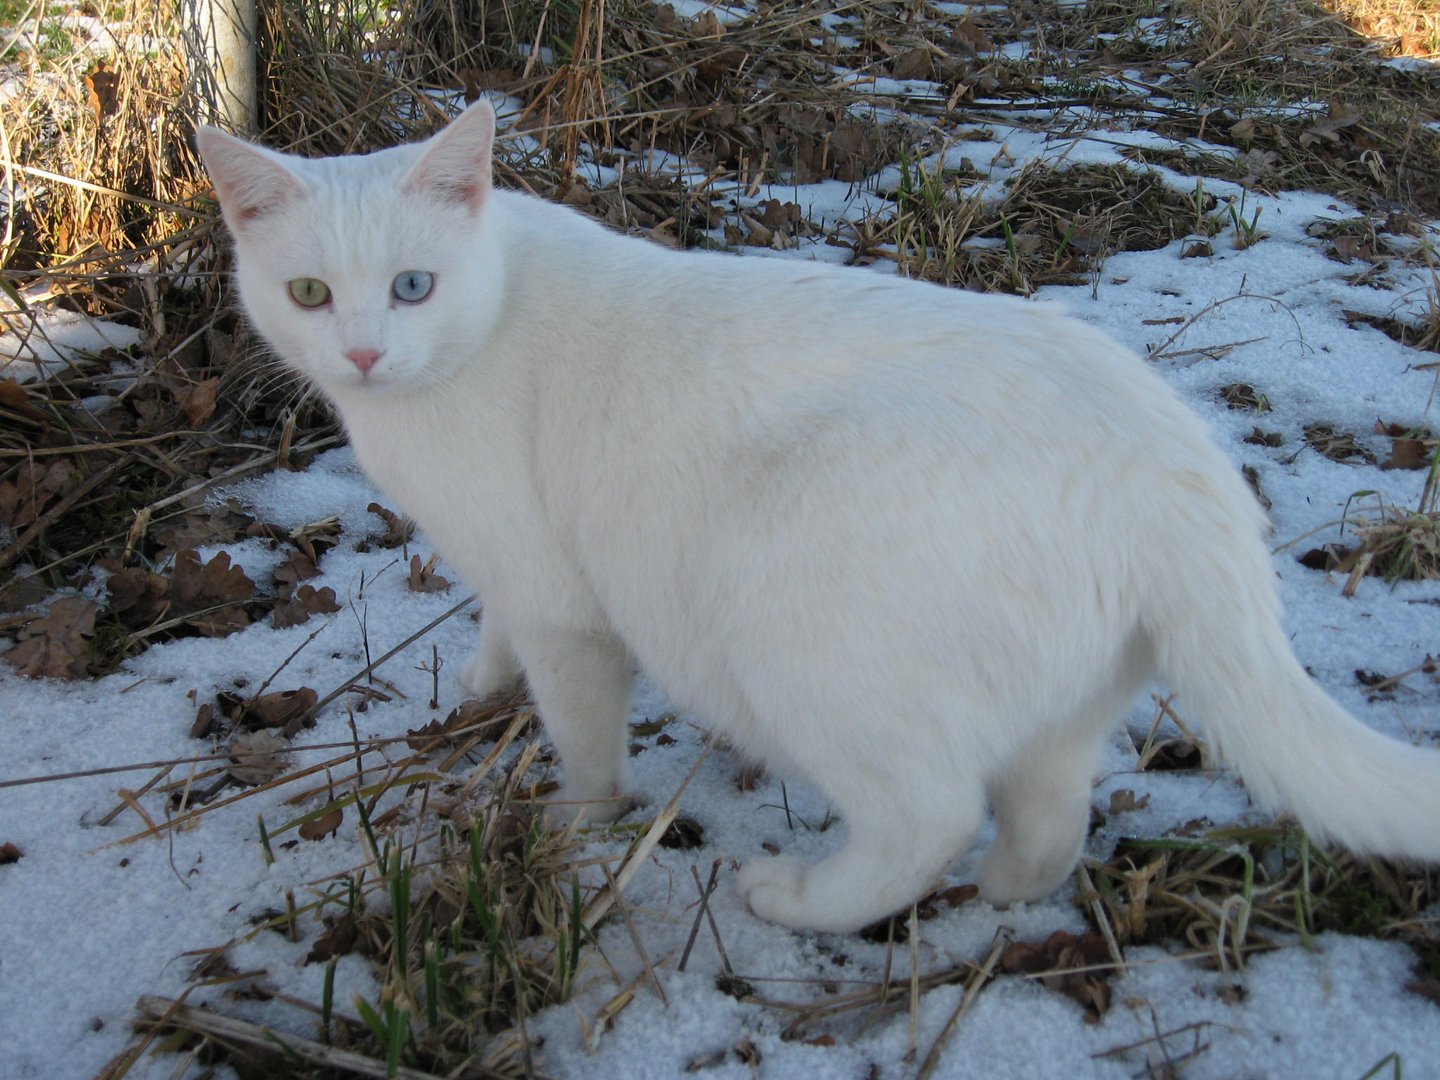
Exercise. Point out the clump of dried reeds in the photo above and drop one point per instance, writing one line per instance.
(1403, 27)
(1231, 892)
(1053, 224)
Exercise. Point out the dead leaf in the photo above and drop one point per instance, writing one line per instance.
(748, 1053)
(1258, 437)
(1409, 448)
(279, 709)
(220, 525)
(57, 644)
(198, 402)
(258, 757)
(707, 25)
(138, 597)
(314, 538)
(1252, 477)
(1055, 963)
(915, 64)
(426, 738)
(296, 568)
(204, 721)
(101, 83)
(9, 853)
(423, 579)
(324, 825)
(12, 394)
(34, 486)
(1336, 445)
(971, 37)
(307, 601)
(1244, 396)
(210, 596)
(1339, 116)
(339, 940)
(398, 529)
(957, 895)
(1124, 800)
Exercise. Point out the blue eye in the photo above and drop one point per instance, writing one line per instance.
(412, 286)
(309, 292)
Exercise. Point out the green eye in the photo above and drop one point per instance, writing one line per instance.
(412, 286)
(309, 292)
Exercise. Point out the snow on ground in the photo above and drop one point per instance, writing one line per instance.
(45, 342)
(91, 923)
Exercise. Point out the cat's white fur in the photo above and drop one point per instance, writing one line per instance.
(919, 545)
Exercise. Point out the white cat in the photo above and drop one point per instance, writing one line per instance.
(919, 545)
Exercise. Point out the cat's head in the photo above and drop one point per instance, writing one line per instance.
(371, 273)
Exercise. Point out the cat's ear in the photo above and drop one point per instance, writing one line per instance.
(455, 167)
(250, 180)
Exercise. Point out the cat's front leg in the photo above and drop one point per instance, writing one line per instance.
(494, 669)
(581, 681)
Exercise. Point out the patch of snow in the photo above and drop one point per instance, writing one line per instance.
(40, 343)
(725, 14)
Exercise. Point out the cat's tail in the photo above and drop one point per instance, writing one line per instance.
(1215, 625)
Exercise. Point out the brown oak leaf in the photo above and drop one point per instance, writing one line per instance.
(398, 529)
(57, 644)
(138, 597)
(296, 568)
(219, 525)
(326, 824)
(1124, 800)
(286, 709)
(1409, 449)
(1060, 964)
(339, 940)
(307, 601)
(914, 64)
(423, 578)
(12, 394)
(210, 595)
(198, 402)
(258, 757)
(33, 486)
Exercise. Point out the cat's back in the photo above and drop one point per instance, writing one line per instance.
(785, 344)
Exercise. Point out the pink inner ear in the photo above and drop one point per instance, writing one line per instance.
(249, 182)
(456, 164)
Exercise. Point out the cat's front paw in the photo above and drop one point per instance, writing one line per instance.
(774, 889)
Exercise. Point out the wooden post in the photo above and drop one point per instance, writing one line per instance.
(220, 47)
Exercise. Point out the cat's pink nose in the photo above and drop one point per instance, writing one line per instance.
(364, 359)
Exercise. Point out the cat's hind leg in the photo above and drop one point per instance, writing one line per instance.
(1042, 811)
(894, 853)
(493, 669)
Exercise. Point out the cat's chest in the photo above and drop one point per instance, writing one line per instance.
(464, 490)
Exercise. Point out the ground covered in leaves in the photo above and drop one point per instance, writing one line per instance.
(246, 800)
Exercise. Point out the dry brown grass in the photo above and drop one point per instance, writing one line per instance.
(99, 148)
(1231, 892)
(1402, 27)
(1055, 224)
